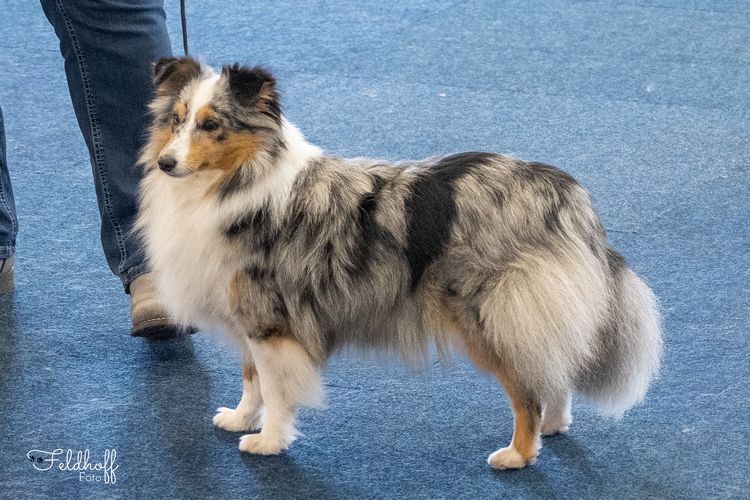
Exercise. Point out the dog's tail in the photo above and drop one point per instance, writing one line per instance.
(568, 322)
(628, 345)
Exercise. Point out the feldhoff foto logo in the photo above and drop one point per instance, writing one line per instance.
(88, 471)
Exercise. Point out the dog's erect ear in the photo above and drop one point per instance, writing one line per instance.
(254, 88)
(172, 74)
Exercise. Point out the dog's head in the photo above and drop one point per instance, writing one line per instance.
(204, 121)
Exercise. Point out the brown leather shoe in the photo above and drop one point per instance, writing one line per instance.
(6, 275)
(149, 318)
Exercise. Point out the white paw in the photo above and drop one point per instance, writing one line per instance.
(235, 421)
(260, 444)
(554, 424)
(552, 429)
(508, 458)
(556, 416)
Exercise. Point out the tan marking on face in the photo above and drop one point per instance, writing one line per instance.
(205, 113)
(161, 138)
(209, 152)
(181, 110)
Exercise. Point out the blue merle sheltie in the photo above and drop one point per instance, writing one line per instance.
(297, 254)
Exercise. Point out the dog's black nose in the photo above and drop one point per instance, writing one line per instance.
(167, 164)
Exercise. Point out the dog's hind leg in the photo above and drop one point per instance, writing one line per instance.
(288, 379)
(527, 412)
(248, 415)
(556, 416)
(527, 407)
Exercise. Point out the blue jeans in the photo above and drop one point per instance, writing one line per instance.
(8, 220)
(108, 47)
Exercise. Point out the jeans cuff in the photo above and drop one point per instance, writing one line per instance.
(131, 274)
(7, 251)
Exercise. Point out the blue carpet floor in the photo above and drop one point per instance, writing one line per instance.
(646, 103)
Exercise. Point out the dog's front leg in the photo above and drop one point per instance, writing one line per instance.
(288, 379)
(248, 415)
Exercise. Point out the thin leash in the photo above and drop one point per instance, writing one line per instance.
(184, 26)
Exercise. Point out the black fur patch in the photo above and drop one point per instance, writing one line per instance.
(256, 273)
(233, 184)
(431, 210)
(368, 230)
(257, 227)
(254, 87)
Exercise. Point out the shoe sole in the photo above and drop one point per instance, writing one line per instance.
(159, 329)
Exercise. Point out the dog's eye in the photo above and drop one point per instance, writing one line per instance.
(175, 120)
(209, 125)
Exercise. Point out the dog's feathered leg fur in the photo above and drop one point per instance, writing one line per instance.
(248, 416)
(288, 379)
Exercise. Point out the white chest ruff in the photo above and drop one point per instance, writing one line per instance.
(188, 254)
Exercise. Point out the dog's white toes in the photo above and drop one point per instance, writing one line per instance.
(508, 458)
(235, 421)
(555, 424)
(552, 428)
(259, 444)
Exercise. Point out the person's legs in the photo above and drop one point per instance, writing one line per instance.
(8, 220)
(109, 47)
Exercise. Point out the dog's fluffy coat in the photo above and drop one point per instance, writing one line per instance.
(296, 254)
